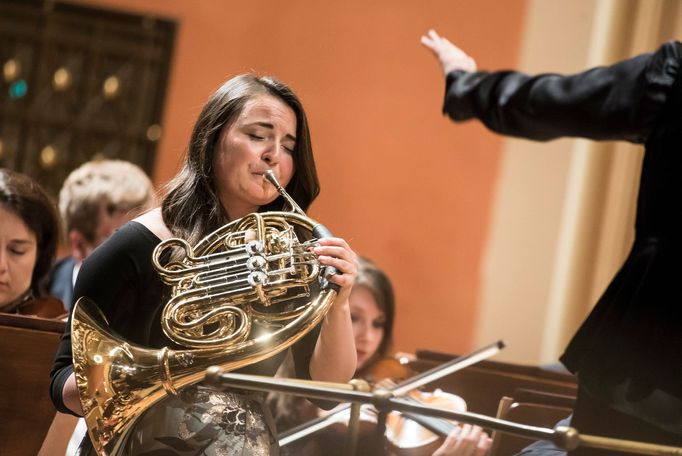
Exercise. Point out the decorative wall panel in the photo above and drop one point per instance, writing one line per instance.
(79, 83)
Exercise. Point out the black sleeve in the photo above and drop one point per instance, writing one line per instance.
(112, 276)
(622, 101)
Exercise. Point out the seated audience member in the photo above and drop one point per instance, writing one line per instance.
(96, 199)
(29, 232)
(372, 307)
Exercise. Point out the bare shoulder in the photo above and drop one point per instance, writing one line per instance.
(153, 221)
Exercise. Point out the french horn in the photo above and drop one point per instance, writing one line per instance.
(242, 294)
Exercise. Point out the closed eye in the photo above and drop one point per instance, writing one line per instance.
(19, 248)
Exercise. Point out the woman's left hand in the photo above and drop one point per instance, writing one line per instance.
(467, 440)
(337, 253)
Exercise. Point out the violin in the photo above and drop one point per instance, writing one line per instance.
(386, 368)
(404, 434)
(44, 307)
(408, 434)
(41, 307)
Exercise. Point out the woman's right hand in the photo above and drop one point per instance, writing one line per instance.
(450, 56)
(467, 440)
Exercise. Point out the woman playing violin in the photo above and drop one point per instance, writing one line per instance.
(29, 232)
(372, 308)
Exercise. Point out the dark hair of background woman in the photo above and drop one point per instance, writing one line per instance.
(191, 208)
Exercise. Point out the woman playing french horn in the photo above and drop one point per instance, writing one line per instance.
(248, 126)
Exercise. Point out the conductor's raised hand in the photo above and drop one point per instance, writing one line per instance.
(451, 57)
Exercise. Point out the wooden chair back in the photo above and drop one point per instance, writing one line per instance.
(27, 348)
(531, 407)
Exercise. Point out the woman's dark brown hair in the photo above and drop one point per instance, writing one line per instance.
(24, 197)
(191, 207)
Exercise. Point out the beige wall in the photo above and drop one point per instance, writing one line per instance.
(403, 184)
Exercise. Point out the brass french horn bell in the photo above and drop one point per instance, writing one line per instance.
(242, 294)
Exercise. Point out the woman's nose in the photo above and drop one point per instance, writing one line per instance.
(271, 154)
(365, 333)
(373, 334)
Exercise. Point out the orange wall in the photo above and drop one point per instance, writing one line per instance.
(404, 185)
